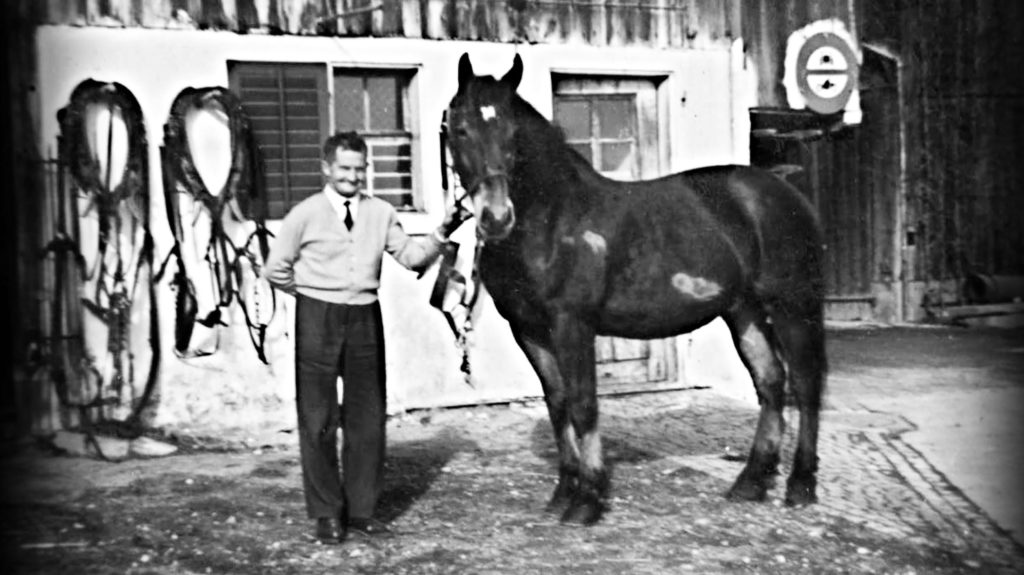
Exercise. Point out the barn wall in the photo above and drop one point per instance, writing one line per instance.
(965, 130)
(231, 387)
(19, 158)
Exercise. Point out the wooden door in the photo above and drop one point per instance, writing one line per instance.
(852, 175)
(614, 123)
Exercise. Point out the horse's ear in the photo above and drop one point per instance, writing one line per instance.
(465, 69)
(515, 73)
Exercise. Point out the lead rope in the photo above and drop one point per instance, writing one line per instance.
(463, 334)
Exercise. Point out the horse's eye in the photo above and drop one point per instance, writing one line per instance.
(460, 132)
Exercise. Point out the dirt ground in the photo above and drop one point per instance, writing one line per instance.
(466, 489)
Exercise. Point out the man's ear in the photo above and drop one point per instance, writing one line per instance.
(465, 69)
(515, 73)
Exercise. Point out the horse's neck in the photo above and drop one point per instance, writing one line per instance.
(546, 173)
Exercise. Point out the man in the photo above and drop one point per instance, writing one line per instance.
(328, 253)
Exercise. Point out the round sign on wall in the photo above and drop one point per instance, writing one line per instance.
(821, 70)
(826, 72)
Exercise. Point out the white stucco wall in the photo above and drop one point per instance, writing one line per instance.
(231, 388)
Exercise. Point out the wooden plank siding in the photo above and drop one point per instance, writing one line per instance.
(654, 23)
(22, 215)
(965, 130)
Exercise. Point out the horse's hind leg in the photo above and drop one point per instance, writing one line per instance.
(757, 348)
(544, 363)
(803, 343)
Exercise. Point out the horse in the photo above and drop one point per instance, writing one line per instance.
(567, 254)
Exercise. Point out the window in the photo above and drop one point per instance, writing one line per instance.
(613, 122)
(375, 103)
(601, 128)
(290, 108)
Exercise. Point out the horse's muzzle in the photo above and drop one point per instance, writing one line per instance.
(493, 227)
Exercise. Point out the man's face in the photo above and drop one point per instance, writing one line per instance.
(346, 173)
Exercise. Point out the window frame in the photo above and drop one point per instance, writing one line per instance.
(650, 90)
(281, 196)
(407, 76)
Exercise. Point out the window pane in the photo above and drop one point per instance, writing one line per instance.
(385, 103)
(574, 118)
(617, 157)
(392, 183)
(584, 150)
(615, 117)
(392, 169)
(403, 149)
(348, 102)
(392, 165)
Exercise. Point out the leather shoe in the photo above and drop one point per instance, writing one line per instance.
(368, 527)
(329, 531)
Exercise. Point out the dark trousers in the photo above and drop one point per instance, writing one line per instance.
(346, 340)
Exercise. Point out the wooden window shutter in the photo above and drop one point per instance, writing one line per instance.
(287, 104)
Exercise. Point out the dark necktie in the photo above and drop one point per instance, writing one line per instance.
(348, 216)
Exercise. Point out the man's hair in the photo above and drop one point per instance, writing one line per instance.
(346, 141)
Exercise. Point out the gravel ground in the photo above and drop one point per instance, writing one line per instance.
(466, 490)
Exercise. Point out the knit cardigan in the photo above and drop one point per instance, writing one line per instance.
(314, 254)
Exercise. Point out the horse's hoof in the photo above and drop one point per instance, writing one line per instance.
(559, 503)
(583, 513)
(747, 491)
(562, 495)
(800, 493)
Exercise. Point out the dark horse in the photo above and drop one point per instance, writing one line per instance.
(568, 254)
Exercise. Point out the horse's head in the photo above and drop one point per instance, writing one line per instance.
(482, 128)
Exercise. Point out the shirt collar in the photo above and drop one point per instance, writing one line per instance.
(337, 202)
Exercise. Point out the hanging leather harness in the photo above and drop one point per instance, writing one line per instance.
(242, 198)
(116, 286)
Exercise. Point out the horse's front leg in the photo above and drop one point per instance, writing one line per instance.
(573, 341)
(539, 353)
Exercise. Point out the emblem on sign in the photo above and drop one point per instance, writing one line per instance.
(821, 70)
(826, 73)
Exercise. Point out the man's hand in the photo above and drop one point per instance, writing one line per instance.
(453, 219)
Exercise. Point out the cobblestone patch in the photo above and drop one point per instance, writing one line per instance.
(870, 476)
